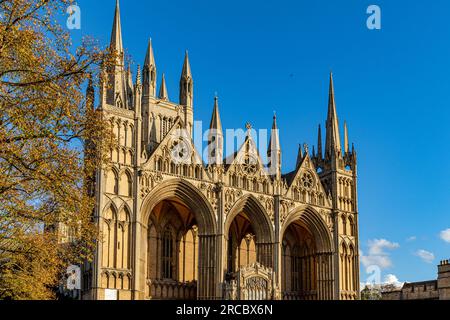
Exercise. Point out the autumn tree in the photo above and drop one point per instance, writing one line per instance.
(45, 119)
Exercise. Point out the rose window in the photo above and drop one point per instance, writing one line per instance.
(249, 165)
(181, 151)
(307, 180)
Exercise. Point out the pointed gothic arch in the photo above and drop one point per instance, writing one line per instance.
(258, 222)
(308, 248)
(256, 213)
(181, 191)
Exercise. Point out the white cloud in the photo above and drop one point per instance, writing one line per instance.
(425, 255)
(389, 279)
(445, 235)
(412, 238)
(381, 261)
(377, 253)
(392, 279)
(377, 246)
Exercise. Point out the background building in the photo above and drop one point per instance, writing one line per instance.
(173, 227)
(426, 290)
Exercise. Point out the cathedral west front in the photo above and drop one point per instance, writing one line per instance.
(174, 226)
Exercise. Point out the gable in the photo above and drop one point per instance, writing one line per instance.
(247, 161)
(176, 154)
(305, 185)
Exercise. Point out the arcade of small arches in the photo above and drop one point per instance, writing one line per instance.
(119, 182)
(115, 253)
(123, 151)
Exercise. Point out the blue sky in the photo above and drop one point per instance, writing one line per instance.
(392, 87)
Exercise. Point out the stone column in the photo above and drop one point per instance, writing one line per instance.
(220, 241)
(325, 281)
(265, 254)
(207, 267)
(97, 263)
(137, 273)
(277, 244)
(336, 261)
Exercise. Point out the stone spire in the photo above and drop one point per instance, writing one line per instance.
(149, 72)
(186, 72)
(163, 95)
(274, 152)
(215, 119)
(333, 140)
(215, 137)
(186, 84)
(118, 78)
(116, 34)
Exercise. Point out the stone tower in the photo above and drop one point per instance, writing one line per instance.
(173, 227)
(337, 171)
(444, 280)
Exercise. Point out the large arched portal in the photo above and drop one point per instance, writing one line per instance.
(180, 245)
(241, 247)
(306, 258)
(249, 236)
(299, 269)
(173, 251)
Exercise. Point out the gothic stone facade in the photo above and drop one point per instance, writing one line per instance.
(222, 230)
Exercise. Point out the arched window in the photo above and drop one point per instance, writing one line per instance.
(159, 165)
(109, 233)
(245, 183)
(112, 182)
(351, 226)
(167, 254)
(123, 234)
(116, 183)
(198, 172)
(265, 188)
(234, 180)
(126, 185)
(344, 225)
(130, 186)
(255, 185)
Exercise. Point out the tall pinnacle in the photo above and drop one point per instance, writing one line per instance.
(149, 56)
(186, 73)
(149, 72)
(186, 84)
(116, 34)
(215, 137)
(333, 140)
(274, 143)
(163, 95)
(274, 152)
(215, 118)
